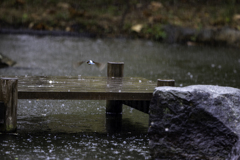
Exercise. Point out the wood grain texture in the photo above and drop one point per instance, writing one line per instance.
(85, 88)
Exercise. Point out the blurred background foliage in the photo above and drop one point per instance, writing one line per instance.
(134, 18)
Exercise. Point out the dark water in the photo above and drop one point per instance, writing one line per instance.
(58, 129)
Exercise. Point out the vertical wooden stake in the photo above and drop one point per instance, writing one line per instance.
(115, 69)
(165, 82)
(114, 107)
(113, 123)
(9, 97)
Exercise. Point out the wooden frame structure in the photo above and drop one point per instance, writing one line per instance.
(115, 89)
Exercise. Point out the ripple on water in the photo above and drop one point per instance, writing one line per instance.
(80, 146)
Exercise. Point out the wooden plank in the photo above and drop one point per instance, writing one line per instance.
(84, 88)
(84, 95)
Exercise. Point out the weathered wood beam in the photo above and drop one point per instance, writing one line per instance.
(65, 95)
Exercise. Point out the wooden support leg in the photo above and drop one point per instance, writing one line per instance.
(115, 69)
(114, 107)
(8, 105)
(113, 123)
(1, 115)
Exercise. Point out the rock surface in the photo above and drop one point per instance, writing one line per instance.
(194, 122)
(5, 61)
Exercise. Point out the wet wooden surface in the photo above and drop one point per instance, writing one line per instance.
(85, 88)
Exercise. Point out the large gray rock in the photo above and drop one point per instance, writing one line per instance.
(195, 122)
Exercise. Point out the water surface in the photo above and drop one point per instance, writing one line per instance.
(59, 129)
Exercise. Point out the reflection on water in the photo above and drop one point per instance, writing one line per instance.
(51, 129)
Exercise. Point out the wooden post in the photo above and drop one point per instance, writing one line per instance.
(113, 123)
(115, 69)
(165, 82)
(114, 107)
(8, 98)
